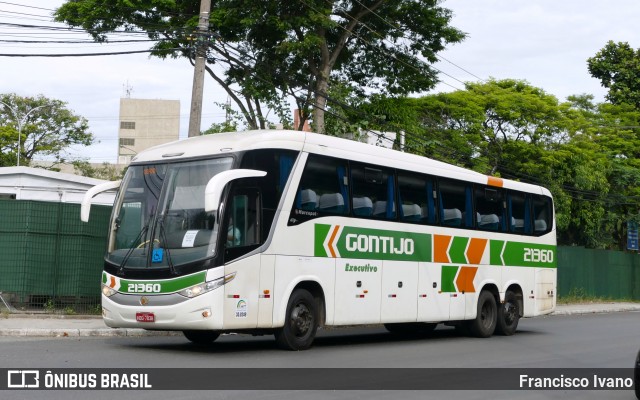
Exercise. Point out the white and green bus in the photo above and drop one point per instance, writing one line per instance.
(283, 231)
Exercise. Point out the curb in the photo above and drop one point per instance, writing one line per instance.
(586, 310)
(60, 333)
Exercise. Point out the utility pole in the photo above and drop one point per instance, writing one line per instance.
(195, 117)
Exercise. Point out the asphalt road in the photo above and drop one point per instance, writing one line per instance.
(564, 342)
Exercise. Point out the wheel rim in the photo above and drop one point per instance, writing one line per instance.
(510, 313)
(301, 320)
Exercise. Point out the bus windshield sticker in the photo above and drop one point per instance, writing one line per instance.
(157, 255)
(189, 238)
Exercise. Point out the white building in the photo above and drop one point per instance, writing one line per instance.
(145, 123)
(24, 183)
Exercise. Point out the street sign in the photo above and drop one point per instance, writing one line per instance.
(632, 235)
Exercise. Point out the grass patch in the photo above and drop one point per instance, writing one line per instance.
(580, 295)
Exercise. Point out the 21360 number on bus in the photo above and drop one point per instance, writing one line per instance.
(538, 255)
(143, 288)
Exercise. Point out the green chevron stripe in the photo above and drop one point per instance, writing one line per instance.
(457, 250)
(447, 278)
(495, 248)
(321, 233)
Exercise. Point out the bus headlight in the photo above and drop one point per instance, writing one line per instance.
(107, 291)
(201, 288)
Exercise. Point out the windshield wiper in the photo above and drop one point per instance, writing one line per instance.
(142, 232)
(163, 238)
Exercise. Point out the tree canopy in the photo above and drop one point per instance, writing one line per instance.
(616, 66)
(585, 153)
(48, 127)
(268, 50)
(350, 64)
(105, 171)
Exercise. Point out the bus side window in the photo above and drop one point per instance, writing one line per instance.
(519, 211)
(373, 192)
(542, 211)
(241, 232)
(417, 198)
(323, 187)
(490, 209)
(243, 219)
(278, 164)
(456, 207)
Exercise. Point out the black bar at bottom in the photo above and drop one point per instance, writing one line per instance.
(318, 378)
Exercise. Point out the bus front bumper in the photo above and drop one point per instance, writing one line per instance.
(203, 312)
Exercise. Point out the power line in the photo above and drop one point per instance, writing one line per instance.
(397, 28)
(113, 53)
(22, 5)
(24, 16)
(459, 67)
(88, 41)
(43, 27)
(387, 52)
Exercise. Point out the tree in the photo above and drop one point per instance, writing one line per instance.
(616, 66)
(577, 174)
(514, 130)
(48, 129)
(271, 49)
(511, 129)
(219, 127)
(474, 127)
(105, 171)
(615, 129)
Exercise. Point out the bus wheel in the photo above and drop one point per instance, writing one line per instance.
(485, 323)
(411, 328)
(301, 322)
(508, 315)
(201, 337)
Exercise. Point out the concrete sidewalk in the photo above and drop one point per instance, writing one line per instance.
(44, 325)
(67, 326)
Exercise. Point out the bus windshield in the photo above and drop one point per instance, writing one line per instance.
(159, 219)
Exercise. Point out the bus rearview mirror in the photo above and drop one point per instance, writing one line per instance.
(85, 207)
(215, 186)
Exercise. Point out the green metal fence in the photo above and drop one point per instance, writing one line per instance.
(50, 260)
(598, 273)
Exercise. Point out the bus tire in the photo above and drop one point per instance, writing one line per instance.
(301, 322)
(201, 337)
(487, 317)
(508, 315)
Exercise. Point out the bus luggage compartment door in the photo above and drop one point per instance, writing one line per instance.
(545, 290)
(357, 295)
(399, 291)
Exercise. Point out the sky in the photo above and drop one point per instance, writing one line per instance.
(545, 42)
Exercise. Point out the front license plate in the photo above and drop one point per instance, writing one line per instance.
(145, 317)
